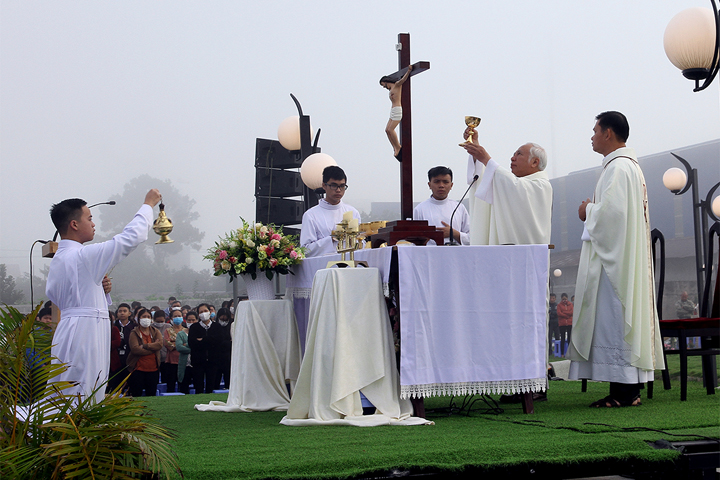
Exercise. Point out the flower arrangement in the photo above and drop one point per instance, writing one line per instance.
(255, 248)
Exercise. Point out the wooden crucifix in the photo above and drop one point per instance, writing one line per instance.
(406, 187)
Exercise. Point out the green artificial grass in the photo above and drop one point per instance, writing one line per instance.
(563, 431)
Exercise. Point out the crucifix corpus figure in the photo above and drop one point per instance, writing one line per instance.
(395, 88)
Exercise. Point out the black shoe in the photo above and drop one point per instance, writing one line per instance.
(514, 398)
(540, 397)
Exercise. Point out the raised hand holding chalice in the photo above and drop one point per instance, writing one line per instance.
(471, 122)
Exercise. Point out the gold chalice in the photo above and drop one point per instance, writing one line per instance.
(471, 122)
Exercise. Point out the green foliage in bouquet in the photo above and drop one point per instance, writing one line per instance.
(255, 248)
(47, 434)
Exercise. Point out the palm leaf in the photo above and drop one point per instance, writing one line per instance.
(46, 433)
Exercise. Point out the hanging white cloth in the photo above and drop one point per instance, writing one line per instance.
(349, 349)
(265, 358)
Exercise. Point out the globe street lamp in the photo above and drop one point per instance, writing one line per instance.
(692, 44)
(556, 273)
(678, 182)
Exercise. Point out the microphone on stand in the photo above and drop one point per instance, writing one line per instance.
(111, 202)
(452, 240)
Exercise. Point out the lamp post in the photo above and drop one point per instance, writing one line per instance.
(692, 44)
(678, 182)
(295, 133)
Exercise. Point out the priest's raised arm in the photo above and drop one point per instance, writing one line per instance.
(510, 206)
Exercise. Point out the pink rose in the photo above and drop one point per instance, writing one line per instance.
(293, 255)
(222, 255)
(275, 236)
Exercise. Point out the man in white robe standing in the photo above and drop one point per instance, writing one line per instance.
(438, 209)
(74, 284)
(616, 334)
(319, 221)
(509, 207)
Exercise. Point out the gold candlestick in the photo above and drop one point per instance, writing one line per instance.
(347, 236)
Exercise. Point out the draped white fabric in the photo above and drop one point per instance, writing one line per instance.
(298, 286)
(472, 319)
(265, 357)
(349, 348)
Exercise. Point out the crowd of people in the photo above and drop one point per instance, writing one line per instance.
(180, 346)
(560, 321)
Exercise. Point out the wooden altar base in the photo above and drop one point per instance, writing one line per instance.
(413, 231)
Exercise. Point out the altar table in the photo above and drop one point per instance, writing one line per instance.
(265, 358)
(472, 318)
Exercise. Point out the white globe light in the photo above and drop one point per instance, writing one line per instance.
(689, 38)
(312, 168)
(674, 179)
(716, 206)
(557, 272)
(289, 133)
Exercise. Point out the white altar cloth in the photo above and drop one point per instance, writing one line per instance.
(265, 357)
(349, 348)
(472, 319)
(299, 285)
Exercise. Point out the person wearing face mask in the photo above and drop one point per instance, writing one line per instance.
(220, 346)
(203, 366)
(170, 373)
(185, 370)
(144, 359)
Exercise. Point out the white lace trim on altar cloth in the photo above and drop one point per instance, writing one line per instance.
(473, 388)
(296, 292)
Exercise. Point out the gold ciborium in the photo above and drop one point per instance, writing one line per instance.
(163, 226)
(471, 122)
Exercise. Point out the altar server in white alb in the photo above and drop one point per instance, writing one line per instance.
(616, 334)
(509, 207)
(438, 209)
(74, 284)
(319, 222)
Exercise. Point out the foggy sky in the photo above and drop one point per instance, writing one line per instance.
(95, 93)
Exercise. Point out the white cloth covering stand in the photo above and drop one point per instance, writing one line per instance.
(299, 285)
(265, 358)
(472, 319)
(349, 348)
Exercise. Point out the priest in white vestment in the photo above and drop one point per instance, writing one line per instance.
(319, 221)
(74, 284)
(616, 334)
(438, 209)
(509, 206)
